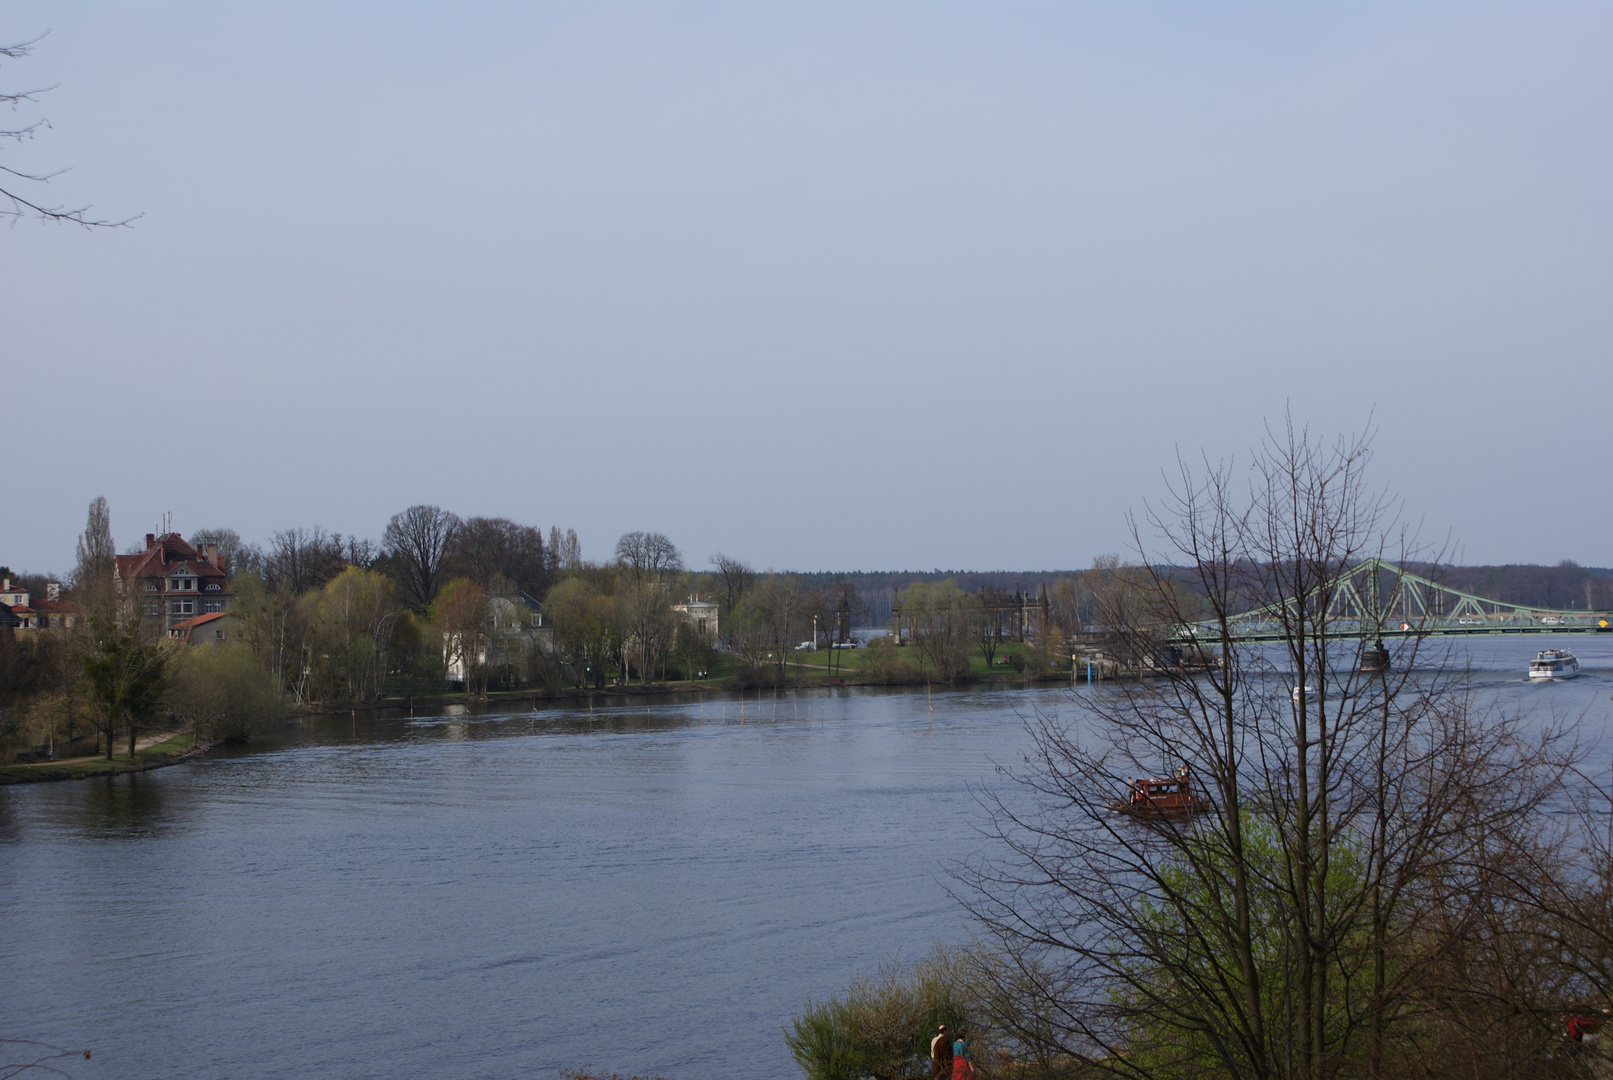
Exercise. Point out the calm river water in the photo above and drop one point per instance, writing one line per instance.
(645, 888)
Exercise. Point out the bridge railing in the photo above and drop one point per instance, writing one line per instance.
(1375, 598)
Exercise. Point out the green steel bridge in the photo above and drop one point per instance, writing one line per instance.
(1376, 599)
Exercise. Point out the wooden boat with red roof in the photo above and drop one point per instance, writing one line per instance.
(1159, 797)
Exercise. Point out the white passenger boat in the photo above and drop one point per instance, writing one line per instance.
(1554, 664)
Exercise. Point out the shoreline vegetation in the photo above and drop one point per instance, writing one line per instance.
(478, 610)
(175, 747)
(166, 748)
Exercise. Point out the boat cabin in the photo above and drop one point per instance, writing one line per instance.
(1554, 664)
(1153, 796)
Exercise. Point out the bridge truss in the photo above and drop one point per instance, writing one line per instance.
(1376, 599)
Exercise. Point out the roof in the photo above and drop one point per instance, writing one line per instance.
(519, 599)
(160, 559)
(199, 620)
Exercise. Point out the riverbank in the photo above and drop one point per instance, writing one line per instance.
(163, 748)
(809, 671)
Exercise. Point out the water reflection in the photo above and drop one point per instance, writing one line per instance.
(501, 891)
(121, 807)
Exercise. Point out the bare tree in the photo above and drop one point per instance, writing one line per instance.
(236, 553)
(768, 622)
(418, 538)
(485, 548)
(19, 204)
(648, 557)
(95, 547)
(564, 552)
(647, 561)
(300, 559)
(734, 578)
(990, 628)
(1279, 932)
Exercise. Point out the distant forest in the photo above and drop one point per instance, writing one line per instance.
(877, 589)
(1566, 585)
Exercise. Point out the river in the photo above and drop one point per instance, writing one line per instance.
(650, 887)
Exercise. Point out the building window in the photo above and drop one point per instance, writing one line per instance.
(181, 607)
(212, 605)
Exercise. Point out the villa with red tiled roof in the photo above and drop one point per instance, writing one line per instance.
(31, 614)
(171, 582)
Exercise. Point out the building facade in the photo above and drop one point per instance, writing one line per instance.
(171, 582)
(33, 614)
(699, 615)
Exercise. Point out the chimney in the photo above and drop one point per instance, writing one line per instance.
(212, 556)
(151, 538)
(53, 591)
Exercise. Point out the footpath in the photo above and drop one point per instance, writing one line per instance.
(151, 752)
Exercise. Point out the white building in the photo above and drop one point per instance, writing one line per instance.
(699, 614)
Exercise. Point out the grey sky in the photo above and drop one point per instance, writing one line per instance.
(823, 286)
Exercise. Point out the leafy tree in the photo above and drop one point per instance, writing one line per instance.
(764, 628)
(126, 678)
(349, 624)
(945, 622)
(224, 692)
(587, 628)
(459, 617)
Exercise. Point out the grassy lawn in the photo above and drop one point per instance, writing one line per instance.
(99, 766)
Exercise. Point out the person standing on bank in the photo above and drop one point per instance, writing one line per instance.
(941, 1055)
(961, 1069)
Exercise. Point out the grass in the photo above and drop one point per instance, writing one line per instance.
(144, 758)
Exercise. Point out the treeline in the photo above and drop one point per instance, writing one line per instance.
(1564, 586)
(320, 619)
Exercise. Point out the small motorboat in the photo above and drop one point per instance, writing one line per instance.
(1554, 664)
(1306, 693)
(1156, 797)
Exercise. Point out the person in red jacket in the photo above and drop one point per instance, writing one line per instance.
(1583, 1031)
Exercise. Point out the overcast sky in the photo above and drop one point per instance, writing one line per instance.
(823, 286)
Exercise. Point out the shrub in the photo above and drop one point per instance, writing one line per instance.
(885, 663)
(882, 1026)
